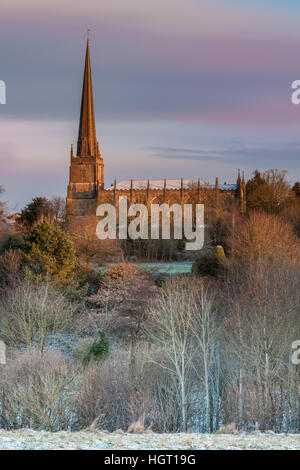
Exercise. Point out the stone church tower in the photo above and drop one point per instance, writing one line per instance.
(86, 168)
(86, 186)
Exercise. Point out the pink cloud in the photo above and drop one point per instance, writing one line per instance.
(169, 33)
(269, 114)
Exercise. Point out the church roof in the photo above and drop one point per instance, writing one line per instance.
(170, 184)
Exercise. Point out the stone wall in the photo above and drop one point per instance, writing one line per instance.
(80, 208)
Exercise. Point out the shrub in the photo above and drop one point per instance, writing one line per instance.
(37, 392)
(31, 313)
(227, 429)
(107, 397)
(49, 250)
(10, 241)
(263, 238)
(160, 279)
(10, 267)
(121, 303)
(291, 215)
(99, 349)
(208, 264)
(122, 272)
(219, 252)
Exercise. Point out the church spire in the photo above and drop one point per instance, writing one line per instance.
(87, 145)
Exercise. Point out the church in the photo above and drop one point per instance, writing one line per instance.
(86, 189)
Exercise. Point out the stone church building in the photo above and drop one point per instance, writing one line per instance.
(86, 188)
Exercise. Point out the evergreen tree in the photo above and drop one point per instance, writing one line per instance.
(32, 213)
(254, 183)
(49, 250)
(99, 349)
(269, 191)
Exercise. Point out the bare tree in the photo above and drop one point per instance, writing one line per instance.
(184, 330)
(261, 324)
(265, 238)
(171, 317)
(58, 208)
(205, 331)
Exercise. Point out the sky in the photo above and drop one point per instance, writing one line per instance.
(182, 88)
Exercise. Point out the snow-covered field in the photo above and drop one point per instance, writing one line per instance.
(39, 440)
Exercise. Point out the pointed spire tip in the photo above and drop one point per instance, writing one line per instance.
(87, 144)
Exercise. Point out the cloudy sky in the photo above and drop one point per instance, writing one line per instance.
(183, 88)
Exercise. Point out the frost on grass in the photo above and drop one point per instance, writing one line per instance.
(39, 440)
